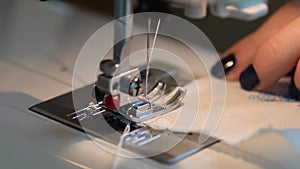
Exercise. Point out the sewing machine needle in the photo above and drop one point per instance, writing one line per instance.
(149, 54)
(148, 47)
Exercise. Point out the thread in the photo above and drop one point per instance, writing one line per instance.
(119, 147)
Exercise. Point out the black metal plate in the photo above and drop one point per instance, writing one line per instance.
(59, 107)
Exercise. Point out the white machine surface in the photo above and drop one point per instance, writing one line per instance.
(38, 48)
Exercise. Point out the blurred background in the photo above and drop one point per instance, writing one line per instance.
(45, 37)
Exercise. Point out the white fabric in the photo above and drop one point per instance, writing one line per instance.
(244, 114)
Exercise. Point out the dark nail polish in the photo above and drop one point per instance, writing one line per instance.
(294, 91)
(249, 78)
(222, 68)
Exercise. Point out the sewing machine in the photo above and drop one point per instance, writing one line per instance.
(40, 42)
(130, 81)
(101, 113)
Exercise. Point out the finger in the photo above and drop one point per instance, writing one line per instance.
(278, 20)
(294, 86)
(275, 58)
(241, 54)
(245, 49)
(297, 76)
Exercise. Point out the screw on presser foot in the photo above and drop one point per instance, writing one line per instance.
(91, 110)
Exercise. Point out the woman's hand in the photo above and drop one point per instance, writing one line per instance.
(263, 57)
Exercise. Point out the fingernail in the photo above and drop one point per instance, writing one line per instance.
(222, 68)
(249, 78)
(294, 91)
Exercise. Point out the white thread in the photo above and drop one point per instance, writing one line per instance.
(150, 54)
(119, 147)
